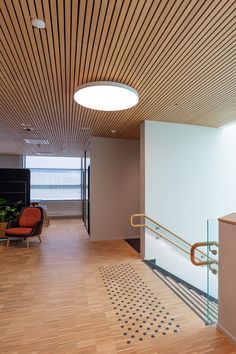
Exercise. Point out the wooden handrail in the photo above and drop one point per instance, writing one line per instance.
(200, 262)
(156, 223)
(202, 244)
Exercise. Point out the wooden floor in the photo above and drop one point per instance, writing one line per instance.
(72, 296)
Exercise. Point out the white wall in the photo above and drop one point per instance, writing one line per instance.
(190, 176)
(11, 161)
(114, 187)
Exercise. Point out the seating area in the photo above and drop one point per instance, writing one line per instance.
(29, 224)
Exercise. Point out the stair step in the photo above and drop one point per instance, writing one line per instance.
(197, 303)
(201, 301)
(201, 306)
(213, 304)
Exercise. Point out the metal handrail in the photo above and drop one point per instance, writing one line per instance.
(211, 260)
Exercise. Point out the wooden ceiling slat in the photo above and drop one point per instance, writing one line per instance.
(190, 66)
(5, 114)
(19, 80)
(159, 51)
(69, 96)
(14, 55)
(36, 11)
(97, 38)
(77, 117)
(71, 72)
(170, 9)
(157, 43)
(85, 42)
(73, 39)
(181, 116)
(183, 88)
(51, 18)
(61, 34)
(172, 52)
(190, 58)
(136, 22)
(90, 41)
(217, 117)
(29, 47)
(127, 10)
(9, 82)
(109, 8)
(176, 114)
(49, 71)
(173, 61)
(26, 56)
(49, 42)
(5, 98)
(109, 37)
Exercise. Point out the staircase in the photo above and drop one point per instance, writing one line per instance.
(206, 307)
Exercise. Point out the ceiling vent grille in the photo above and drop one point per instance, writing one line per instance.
(45, 154)
(36, 141)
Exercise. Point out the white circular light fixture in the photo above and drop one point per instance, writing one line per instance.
(106, 96)
(38, 23)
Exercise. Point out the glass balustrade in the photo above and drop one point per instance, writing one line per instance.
(212, 269)
(171, 254)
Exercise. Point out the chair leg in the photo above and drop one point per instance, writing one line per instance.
(8, 242)
(39, 239)
(27, 242)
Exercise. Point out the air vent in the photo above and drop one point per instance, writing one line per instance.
(45, 154)
(36, 141)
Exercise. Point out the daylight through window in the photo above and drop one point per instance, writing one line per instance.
(55, 178)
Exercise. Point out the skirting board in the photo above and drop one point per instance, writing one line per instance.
(131, 237)
(61, 214)
(65, 216)
(226, 333)
(108, 238)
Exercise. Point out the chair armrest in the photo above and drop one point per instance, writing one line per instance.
(12, 223)
(37, 229)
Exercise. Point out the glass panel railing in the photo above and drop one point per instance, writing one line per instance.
(212, 270)
(195, 281)
(190, 270)
(173, 255)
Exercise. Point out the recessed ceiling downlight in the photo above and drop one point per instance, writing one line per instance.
(106, 96)
(38, 23)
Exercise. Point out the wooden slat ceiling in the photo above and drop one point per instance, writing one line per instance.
(179, 56)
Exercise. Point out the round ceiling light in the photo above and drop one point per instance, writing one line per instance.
(106, 96)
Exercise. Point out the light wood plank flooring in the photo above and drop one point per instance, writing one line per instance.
(72, 296)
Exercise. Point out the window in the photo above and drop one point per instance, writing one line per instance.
(55, 178)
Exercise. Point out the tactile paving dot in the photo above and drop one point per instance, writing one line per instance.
(132, 297)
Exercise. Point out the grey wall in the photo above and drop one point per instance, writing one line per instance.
(64, 208)
(115, 187)
(11, 161)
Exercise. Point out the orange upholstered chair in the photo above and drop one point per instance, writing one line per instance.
(29, 224)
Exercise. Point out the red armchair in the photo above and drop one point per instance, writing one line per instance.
(29, 224)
